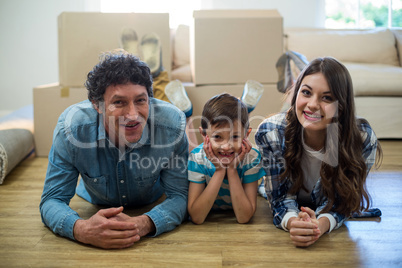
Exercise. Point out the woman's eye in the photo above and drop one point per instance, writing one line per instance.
(305, 92)
(328, 98)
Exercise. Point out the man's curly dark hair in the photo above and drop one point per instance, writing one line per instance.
(117, 68)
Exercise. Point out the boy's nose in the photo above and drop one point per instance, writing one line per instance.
(227, 146)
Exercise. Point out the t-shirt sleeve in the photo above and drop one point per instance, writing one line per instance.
(252, 169)
(197, 168)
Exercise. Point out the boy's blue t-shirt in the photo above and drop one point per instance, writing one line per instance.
(201, 170)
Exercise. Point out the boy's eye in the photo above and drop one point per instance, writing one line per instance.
(216, 137)
(117, 102)
(235, 137)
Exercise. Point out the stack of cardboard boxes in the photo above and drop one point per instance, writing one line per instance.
(228, 47)
(82, 39)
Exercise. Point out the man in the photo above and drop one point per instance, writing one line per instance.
(129, 149)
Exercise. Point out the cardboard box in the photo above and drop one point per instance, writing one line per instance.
(84, 36)
(49, 102)
(269, 104)
(232, 46)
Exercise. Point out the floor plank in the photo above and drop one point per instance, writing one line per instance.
(220, 242)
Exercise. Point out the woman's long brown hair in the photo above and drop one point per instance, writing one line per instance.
(343, 183)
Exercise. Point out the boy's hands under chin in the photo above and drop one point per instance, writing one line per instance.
(245, 149)
(211, 155)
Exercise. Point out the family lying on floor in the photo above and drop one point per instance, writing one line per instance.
(131, 148)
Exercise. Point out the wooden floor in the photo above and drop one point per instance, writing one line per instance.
(375, 242)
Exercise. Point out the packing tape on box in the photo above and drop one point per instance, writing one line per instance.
(65, 92)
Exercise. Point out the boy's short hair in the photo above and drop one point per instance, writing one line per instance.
(224, 109)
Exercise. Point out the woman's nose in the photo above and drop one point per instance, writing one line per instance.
(313, 104)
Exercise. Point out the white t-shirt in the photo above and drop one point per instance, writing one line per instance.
(311, 165)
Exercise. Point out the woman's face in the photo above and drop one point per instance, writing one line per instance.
(315, 104)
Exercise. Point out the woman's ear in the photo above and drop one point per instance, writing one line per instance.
(248, 132)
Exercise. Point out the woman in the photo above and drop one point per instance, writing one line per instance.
(317, 155)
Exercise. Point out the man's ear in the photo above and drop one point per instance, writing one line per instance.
(96, 107)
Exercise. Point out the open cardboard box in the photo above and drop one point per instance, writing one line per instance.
(83, 36)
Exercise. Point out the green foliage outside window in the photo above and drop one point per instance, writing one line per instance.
(374, 16)
(379, 15)
(397, 18)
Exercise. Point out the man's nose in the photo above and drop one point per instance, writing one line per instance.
(132, 112)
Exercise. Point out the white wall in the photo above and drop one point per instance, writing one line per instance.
(28, 47)
(28, 38)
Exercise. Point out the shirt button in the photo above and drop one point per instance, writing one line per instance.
(95, 180)
(124, 196)
(122, 181)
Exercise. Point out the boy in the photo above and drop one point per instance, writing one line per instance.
(224, 170)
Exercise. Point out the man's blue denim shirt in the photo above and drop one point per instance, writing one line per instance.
(140, 175)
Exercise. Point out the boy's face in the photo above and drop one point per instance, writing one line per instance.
(226, 140)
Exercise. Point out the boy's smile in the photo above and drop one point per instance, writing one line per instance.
(226, 140)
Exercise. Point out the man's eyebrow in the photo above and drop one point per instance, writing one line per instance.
(118, 97)
(124, 97)
(141, 95)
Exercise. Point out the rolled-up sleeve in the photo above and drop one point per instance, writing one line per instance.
(174, 178)
(269, 139)
(59, 187)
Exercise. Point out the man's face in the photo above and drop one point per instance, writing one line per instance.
(126, 110)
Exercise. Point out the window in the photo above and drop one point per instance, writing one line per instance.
(363, 13)
(180, 11)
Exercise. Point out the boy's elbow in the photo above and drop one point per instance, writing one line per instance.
(197, 220)
(195, 217)
(243, 221)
